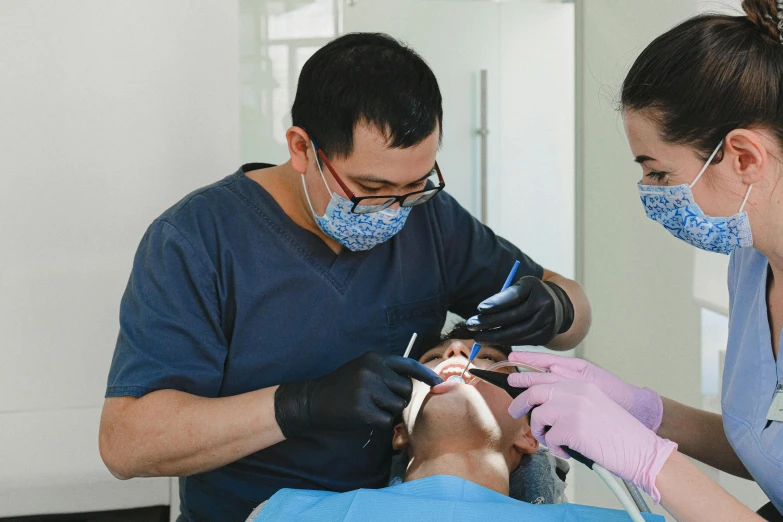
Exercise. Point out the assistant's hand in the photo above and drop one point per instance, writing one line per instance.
(643, 403)
(530, 312)
(578, 415)
(370, 391)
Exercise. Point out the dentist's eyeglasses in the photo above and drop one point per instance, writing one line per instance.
(370, 204)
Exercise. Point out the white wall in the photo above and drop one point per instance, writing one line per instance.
(532, 194)
(646, 288)
(110, 111)
(638, 278)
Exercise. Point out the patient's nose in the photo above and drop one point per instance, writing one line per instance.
(457, 348)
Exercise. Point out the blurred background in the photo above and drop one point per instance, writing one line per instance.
(112, 110)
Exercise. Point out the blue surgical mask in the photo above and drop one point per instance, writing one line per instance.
(675, 209)
(356, 231)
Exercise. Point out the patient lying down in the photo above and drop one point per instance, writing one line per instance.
(462, 446)
(463, 430)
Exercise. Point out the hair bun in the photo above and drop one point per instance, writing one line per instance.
(765, 15)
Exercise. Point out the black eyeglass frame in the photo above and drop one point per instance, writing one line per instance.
(356, 200)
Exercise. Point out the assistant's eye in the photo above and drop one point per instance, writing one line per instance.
(657, 176)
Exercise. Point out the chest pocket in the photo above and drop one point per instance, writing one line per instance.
(425, 317)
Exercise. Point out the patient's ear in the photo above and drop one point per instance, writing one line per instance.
(524, 442)
(400, 439)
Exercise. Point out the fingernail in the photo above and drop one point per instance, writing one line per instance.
(486, 305)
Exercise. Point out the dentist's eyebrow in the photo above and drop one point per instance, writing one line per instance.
(643, 159)
(369, 178)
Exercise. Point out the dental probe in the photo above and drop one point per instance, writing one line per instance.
(476, 346)
(407, 353)
(410, 345)
(630, 504)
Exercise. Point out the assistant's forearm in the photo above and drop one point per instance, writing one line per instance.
(690, 496)
(172, 433)
(582, 313)
(700, 435)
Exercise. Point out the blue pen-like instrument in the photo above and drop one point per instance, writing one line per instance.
(476, 346)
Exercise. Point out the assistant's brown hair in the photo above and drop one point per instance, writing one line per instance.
(710, 75)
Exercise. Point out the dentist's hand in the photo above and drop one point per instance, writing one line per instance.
(531, 312)
(369, 391)
(580, 416)
(643, 403)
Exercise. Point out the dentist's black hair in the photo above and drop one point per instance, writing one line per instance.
(367, 78)
(710, 75)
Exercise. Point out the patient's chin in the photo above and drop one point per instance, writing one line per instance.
(460, 412)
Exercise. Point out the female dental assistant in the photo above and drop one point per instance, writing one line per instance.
(264, 322)
(703, 112)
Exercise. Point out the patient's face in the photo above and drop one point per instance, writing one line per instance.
(462, 416)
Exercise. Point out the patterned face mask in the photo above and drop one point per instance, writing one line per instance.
(356, 231)
(675, 209)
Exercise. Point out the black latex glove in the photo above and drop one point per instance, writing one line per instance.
(369, 391)
(530, 312)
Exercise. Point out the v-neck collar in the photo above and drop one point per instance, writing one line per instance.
(339, 269)
(767, 355)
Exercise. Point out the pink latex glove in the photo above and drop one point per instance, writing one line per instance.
(584, 419)
(643, 403)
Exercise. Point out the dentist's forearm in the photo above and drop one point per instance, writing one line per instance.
(582, 313)
(173, 433)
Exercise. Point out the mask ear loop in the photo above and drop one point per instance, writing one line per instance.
(307, 196)
(704, 169)
(320, 170)
(709, 162)
(747, 195)
(323, 178)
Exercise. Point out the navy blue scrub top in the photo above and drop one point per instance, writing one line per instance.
(228, 295)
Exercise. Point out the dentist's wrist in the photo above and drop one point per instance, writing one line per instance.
(292, 408)
(564, 308)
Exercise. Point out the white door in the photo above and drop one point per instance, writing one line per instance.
(527, 48)
(457, 39)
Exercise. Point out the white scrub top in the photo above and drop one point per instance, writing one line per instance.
(751, 375)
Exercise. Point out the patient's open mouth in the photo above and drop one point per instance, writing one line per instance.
(453, 370)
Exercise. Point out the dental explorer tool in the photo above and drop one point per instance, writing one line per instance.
(630, 504)
(410, 345)
(476, 346)
(407, 353)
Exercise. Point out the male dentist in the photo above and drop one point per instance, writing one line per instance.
(262, 327)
